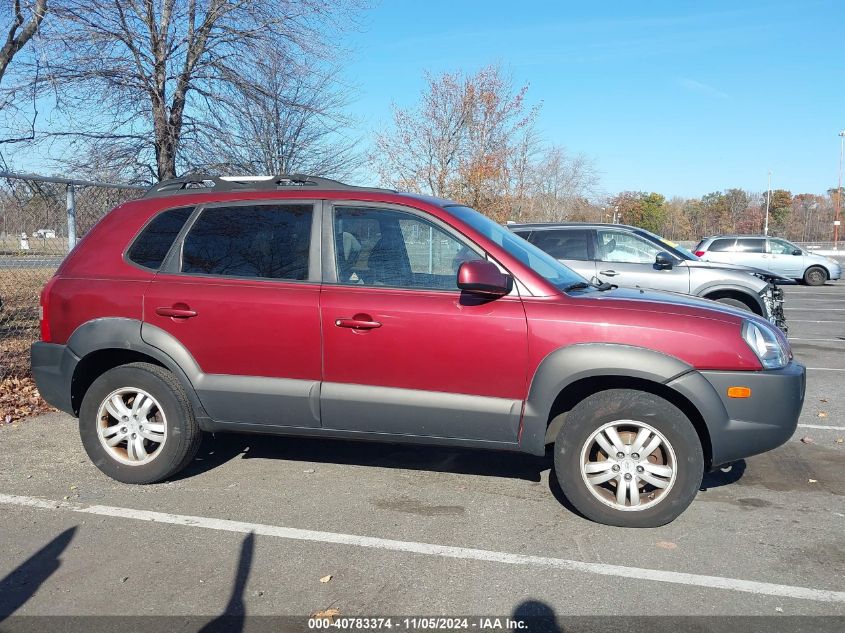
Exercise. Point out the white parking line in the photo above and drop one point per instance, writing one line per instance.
(827, 340)
(815, 309)
(806, 321)
(428, 549)
(822, 426)
(826, 368)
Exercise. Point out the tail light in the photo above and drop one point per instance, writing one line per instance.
(700, 253)
(44, 311)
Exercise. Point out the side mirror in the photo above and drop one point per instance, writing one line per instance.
(797, 251)
(483, 278)
(664, 261)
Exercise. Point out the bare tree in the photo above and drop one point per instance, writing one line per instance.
(736, 204)
(286, 119)
(466, 139)
(150, 71)
(20, 22)
(560, 184)
(23, 23)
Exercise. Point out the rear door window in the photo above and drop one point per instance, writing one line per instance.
(564, 243)
(264, 241)
(749, 246)
(152, 244)
(722, 245)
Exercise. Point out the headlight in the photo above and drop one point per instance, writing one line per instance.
(766, 344)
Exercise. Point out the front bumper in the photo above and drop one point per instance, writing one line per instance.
(52, 368)
(742, 427)
(773, 301)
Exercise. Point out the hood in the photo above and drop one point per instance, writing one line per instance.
(664, 302)
(764, 274)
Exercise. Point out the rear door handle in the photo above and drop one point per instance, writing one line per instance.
(608, 273)
(176, 312)
(358, 322)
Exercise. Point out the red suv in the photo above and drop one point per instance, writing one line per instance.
(301, 306)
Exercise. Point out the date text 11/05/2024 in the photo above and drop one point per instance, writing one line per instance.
(481, 623)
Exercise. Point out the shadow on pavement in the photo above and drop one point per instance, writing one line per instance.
(223, 447)
(723, 476)
(22, 583)
(537, 615)
(233, 618)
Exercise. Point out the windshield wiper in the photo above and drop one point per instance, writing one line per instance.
(577, 286)
(606, 286)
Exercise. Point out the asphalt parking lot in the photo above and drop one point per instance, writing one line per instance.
(255, 524)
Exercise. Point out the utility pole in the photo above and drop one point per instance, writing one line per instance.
(768, 202)
(836, 220)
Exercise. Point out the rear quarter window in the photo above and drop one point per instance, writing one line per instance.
(156, 238)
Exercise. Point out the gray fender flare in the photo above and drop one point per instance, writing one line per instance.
(756, 298)
(565, 366)
(123, 333)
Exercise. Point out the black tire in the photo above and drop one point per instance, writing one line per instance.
(626, 404)
(183, 435)
(735, 303)
(815, 276)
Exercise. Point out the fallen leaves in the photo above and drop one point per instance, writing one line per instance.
(330, 613)
(19, 398)
(812, 481)
(667, 544)
(326, 579)
(822, 414)
(808, 440)
(839, 440)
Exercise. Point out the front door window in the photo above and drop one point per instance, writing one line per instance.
(623, 247)
(379, 247)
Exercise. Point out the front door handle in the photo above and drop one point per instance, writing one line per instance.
(178, 311)
(608, 273)
(358, 322)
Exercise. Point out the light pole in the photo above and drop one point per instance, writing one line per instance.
(768, 202)
(836, 220)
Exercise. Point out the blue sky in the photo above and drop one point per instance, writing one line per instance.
(677, 97)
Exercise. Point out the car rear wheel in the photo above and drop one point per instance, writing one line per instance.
(137, 425)
(815, 276)
(628, 458)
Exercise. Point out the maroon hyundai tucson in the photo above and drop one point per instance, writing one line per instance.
(297, 305)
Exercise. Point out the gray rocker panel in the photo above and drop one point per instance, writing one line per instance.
(373, 409)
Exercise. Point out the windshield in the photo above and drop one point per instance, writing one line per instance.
(543, 264)
(675, 249)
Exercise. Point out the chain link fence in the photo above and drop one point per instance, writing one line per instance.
(41, 218)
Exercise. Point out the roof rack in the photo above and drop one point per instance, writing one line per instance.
(200, 183)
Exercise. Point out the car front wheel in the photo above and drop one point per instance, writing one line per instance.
(815, 276)
(137, 425)
(628, 458)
